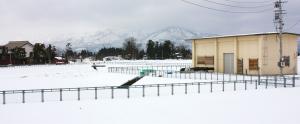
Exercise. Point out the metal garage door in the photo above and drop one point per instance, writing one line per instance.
(228, 63)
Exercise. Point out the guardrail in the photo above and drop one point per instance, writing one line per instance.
(134, 90)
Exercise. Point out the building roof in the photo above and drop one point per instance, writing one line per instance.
(238, 35)
(14, 44)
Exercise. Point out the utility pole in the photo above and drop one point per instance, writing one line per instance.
(279, 12)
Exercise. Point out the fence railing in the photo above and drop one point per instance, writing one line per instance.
(174, 72)
(61, 94)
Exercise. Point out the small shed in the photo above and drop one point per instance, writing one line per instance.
(251, 54)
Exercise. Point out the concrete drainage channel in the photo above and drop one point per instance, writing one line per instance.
(131, 82)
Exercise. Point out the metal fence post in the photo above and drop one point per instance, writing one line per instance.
(60, 95)
(157, 89)
(223, 86)
(198, 87)
(267, 81)
(245, 85)
(284, 83)
(96, 94)
(275, 82)
(223, 76)
(256, 84)
(185, 88)
(128, 92)
(294, 82)
(211, 87)
(259, 79)
(200, 75)
(78, 94)
(143, 90)
(234, 85)
(112, 92)
(4, 102)
(172, 89)
(23, 96)
(42, 95)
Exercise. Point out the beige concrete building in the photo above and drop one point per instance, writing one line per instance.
(246, 54)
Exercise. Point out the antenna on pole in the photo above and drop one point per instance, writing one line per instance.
(278, 20)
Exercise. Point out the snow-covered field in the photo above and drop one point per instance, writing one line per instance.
(272, 106)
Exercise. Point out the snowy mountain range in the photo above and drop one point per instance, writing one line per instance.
(111, 38)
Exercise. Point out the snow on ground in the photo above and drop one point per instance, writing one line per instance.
(58, 76)
(274, 106)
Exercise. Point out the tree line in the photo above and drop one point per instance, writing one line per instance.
(130, 50)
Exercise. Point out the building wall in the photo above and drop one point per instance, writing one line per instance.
(248, 48)
(265, 48)
(270, 54)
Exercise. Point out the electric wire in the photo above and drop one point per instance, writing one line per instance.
(234, 1)
(221, 10)
(247, 7)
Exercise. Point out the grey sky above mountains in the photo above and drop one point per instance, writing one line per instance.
(41, 20)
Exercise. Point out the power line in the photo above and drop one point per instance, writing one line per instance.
(221, 10)
(294, 25)
(267, 1)
(248, 7)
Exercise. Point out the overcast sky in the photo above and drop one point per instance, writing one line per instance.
(44, 19)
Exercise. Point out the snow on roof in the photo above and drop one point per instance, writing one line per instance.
(14, 44)
(237, 35)
(58, 58)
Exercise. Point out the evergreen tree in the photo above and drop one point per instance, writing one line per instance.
(150, 50)
(167, 49)
(130, 47)
(18, 55)
(39, 54)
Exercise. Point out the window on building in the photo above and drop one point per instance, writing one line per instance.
(253, 64)
(205, 60)
(1, 51)
(286, 60)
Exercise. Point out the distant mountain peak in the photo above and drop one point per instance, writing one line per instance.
(109, 38)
